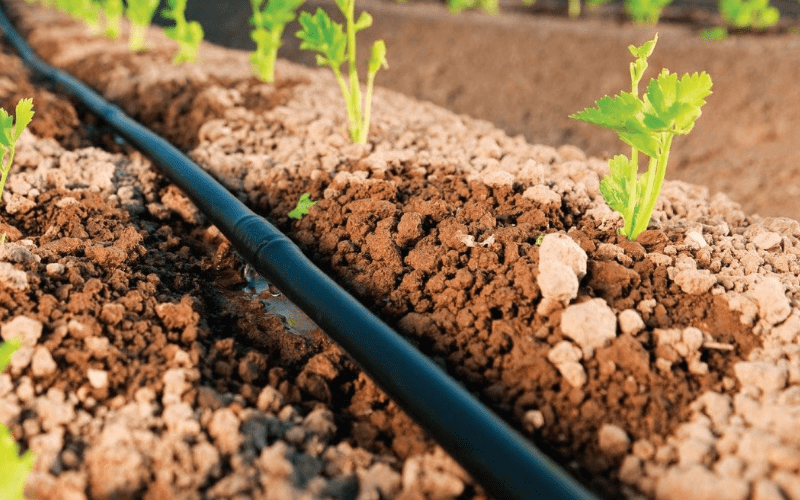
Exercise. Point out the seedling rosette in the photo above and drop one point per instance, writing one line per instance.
(187, 34)
(326, 37)
(268, 25)
(670, 107)
(140, 13)
(112, 11)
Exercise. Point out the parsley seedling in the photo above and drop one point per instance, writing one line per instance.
(756, 14)
(140, 13)
(14, 468)
(326, 37)
(268, 25)
(489, 6)
(648, 124)
(302, 208)
(187, 34)
(112, 11)
(9, 134)
(645, 11)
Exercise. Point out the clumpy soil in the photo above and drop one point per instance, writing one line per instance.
(664, 368)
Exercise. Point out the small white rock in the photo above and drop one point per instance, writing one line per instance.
(28, 328)
(613, 439)
(767, 240)
(762, 374)
(773, 305)
(695, 282)
(42, 363)
(590, 324)
(97, 378)
(630, 322)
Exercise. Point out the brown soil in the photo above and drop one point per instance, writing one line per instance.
(434, 225)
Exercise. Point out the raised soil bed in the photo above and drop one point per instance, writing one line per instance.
(672, 372)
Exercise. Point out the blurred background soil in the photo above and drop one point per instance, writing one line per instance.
(527, 68)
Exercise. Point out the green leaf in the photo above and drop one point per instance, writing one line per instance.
(7, 349)
(377, 57)
(303, 205)
(141, 12)
(276, 14)
(323, 35)
(674, 105)
(621, 186)
(364, 21)
(623, 114)
(13, 468)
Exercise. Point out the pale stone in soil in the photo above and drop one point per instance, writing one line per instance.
(630, 322)
(590, 324)
(613, 439)
(42, 363)
(766, 376)
(698, 483)
(695, 282)
(30, 330)
(773, 305)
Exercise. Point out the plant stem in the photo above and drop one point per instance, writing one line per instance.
(656, 172)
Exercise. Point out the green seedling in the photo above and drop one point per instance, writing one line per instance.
(645, 11)
(112, 11)
(188, 34)
(716, 33)
(755, 14)
(268, 25)
(303, 206)
(140, 13)
(14, 469)
(489, 6)
(670, 107)
(9, 134)
(326, 37)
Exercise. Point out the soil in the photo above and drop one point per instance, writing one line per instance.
(527, 69)
(663, 368)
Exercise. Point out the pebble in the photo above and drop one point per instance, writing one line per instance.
(42, 363)
(590, 324)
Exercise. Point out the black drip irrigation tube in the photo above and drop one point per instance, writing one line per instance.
(496, 456)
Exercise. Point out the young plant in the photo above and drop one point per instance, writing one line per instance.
(139, 13)
(14, 468)
(112, 11)
(645, 11)
(488, 6)
(322, 35)
(188, 34)
(268, 25)
(670, 107)
(9, 134)
(755, 14)
(303, 205)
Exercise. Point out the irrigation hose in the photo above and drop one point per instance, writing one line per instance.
(494, 454)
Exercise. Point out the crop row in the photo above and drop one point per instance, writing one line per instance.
(669, 106)
(738, 14)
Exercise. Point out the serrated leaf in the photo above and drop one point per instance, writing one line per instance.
(277, 13)
(611, 112)
(303, 206)
(322, 35)
(620, 186)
